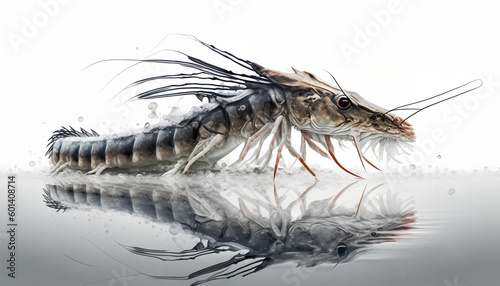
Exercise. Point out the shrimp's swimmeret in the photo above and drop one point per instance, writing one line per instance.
(242, 108)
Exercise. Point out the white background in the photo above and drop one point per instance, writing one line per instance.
(404, 51)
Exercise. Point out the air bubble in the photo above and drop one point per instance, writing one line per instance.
(439, 156)
(412, 167)
(32, 164)
(80, 119)
(152, 106)
(451, 191)
(174, 230)
(147, 127)
(241, 108)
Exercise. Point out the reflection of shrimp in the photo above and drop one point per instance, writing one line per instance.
(322, 232)
(242, 108)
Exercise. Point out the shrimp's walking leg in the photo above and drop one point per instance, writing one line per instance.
(370, 163)
(303, 147)
(55, 167)
(60, 167)
(251, 140)
(297, 155)
(217, 139)
(278, 156)
(98, 170)
(361, 155)
(275, 136)
(313, 145)
(330, 150)
(176, 168)
(359, 152)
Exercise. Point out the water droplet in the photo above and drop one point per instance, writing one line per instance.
(107, 231)
(451, 191)
(164, 118)
(32, 164)
(115, 136)
(147, 127)
(139, 175)
(412, 167)
(223, 165)
(80, 119)
(173, 230)
(439, 156)
(153, 106)
(241, 108)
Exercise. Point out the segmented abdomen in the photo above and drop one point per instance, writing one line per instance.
(141, 149)
(169, 144)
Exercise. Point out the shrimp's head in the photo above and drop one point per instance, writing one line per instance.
(321, 109)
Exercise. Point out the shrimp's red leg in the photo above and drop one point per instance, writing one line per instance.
(330, 150)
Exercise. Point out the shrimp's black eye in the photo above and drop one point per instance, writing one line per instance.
(341, 249)
(343, 102)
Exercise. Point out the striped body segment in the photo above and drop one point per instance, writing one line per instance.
(233, 122)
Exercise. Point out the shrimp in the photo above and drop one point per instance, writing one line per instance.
(243, 108)
(320, 234)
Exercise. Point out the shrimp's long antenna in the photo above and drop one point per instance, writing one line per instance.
(445, 99)
(337, 84)
(435, 96)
